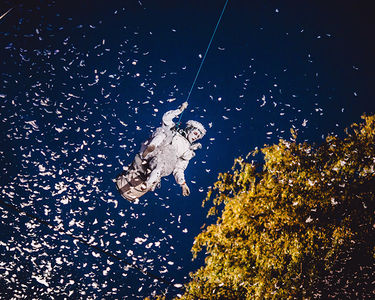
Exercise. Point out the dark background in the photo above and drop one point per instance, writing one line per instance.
(83, 83)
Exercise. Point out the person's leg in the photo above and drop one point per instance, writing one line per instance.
(148, 150)
(156, 141)
(154, 177)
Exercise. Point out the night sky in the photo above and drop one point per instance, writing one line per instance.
(84, 83)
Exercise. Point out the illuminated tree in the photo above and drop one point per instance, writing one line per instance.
(293, 226)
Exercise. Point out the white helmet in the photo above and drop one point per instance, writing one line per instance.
(194, 131)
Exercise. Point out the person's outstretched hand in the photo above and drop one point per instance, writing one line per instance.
(185, 189)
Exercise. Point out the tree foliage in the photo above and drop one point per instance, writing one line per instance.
(284, 229)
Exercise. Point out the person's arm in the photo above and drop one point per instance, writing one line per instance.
(179, 175)
(170, 115)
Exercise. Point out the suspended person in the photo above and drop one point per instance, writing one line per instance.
(167, 152)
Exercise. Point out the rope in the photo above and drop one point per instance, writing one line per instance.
(98, 249)
(204, 57)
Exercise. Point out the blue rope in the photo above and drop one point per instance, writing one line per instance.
(204, 57)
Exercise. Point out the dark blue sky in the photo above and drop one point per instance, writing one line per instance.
(83, 83)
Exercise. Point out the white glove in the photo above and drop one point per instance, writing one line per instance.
(185, 189)
(196, 146)
(183, 106)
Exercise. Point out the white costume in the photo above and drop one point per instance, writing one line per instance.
(171, 149)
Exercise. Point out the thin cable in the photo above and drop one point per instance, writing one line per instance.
(204, 57)
(208, 47)
(98, 249)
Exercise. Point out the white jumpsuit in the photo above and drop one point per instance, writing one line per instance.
(172, 152)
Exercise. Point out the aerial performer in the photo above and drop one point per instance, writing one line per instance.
(168, 151)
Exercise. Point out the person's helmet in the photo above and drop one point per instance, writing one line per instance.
(194, 131)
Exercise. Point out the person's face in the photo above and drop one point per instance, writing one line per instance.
(194, 135)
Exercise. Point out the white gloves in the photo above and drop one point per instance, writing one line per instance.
(183, 106)
(185, 189)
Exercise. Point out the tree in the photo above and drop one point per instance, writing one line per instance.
(306, 220)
